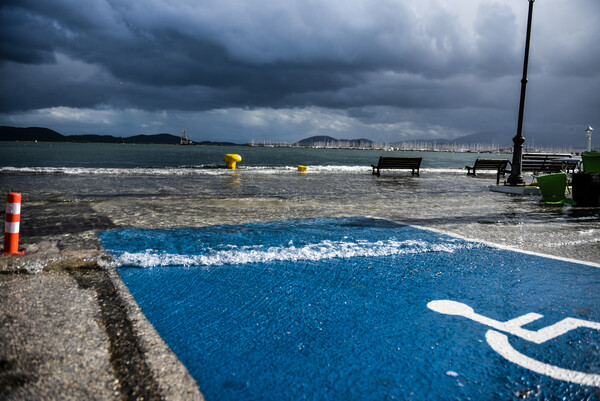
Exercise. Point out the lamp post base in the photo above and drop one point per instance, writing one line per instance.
(515, 181)
(515, 190)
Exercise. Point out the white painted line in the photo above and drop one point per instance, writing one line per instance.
(507, 247)
(493, 244)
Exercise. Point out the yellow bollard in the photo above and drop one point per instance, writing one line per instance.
(231, 159)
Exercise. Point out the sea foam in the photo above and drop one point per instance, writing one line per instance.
(211, 170)
(240, 255)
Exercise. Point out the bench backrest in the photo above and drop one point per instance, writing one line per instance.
(547, 162)
(490, 164)
(546, 156)
(399, 162)
(543, 157)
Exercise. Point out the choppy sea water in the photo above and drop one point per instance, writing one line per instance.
(70, 191)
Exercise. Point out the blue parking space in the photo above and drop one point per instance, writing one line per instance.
(362, 308)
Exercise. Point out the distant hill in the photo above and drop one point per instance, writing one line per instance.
(30, 134)
(323, 140)
(166, 139)
(39, 134)
(47, 135)
(93, 138)
(211, 143)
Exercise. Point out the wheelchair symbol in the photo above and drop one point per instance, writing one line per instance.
(499, 341)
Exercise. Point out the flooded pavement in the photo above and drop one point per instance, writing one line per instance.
(61, 217)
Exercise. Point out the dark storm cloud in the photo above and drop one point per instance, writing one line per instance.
(25, 39)
(419, 60)
(496, 30)
(149, 52)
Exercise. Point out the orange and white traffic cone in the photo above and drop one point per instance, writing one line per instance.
(12, 223)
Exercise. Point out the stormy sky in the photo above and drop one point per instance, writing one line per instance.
(264, 70)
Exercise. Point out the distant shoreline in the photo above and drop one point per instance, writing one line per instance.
(41, 134)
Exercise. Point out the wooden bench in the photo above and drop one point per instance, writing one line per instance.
(539, 163)
(407, 163)
(489, 164)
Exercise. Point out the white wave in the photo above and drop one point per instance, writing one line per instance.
(455, 171)
(203, 170)
(312, 252)
(310, 169)
(170, 171)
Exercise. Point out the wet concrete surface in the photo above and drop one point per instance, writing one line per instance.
(70, 329)
(77, 334)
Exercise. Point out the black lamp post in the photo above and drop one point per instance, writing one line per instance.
(516, 175)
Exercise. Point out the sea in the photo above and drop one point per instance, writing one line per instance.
(271, 283)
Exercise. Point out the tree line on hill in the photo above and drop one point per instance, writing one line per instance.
(39, 134)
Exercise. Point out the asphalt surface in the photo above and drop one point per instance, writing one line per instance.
(75, 333)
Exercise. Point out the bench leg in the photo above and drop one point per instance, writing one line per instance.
(500, 172)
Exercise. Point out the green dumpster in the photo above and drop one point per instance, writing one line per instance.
(591, 162)
(552, 187)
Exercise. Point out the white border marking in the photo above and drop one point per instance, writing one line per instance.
(492, 244)
(508, 247)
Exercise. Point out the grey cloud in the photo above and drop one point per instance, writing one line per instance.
(496, 30)
(566, 44)
(151, 53)
(423, 60)
(25, 38)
